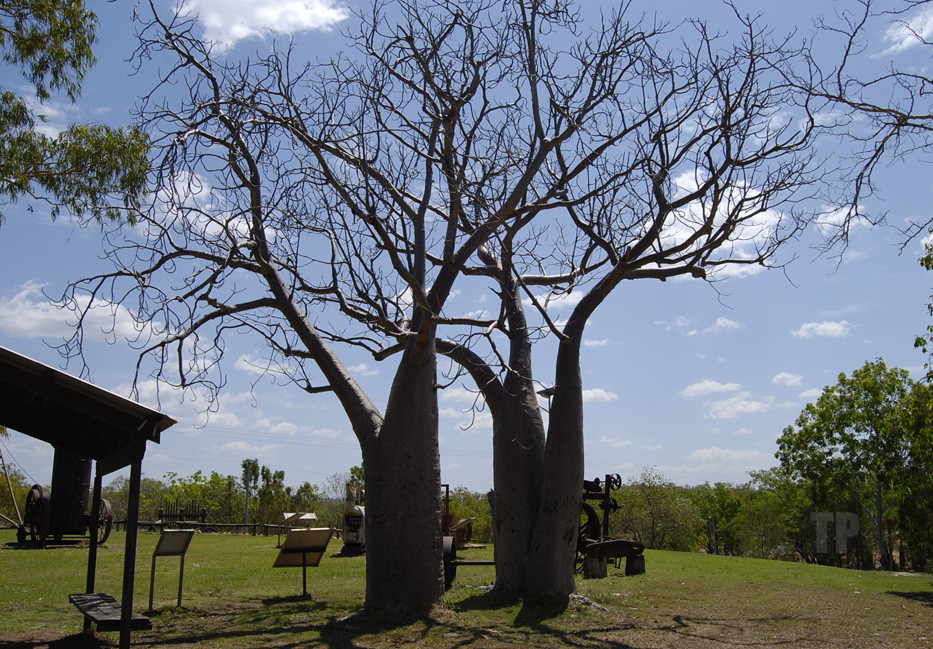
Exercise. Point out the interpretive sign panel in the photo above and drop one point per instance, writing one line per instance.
(172, 543)
(304, 547)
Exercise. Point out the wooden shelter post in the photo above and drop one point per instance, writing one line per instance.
(92, 549)
(129, 560)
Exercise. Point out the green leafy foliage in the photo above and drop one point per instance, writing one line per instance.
(466, 504)
(656, 512)
(720, 508)
(20, 486)
(50, 41)
(854, 431)
(924, 341)
(860, 441)
(87, 169)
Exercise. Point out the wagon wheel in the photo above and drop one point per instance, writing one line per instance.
(105, 521)
(450, 561)
(38, 514)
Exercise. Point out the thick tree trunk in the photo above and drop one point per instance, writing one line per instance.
(550, 570)
(404, 551)
(518, 467)
(518, 453)
(879, 527)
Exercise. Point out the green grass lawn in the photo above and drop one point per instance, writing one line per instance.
(234, 598)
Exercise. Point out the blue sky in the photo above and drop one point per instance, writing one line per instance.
(698, 381)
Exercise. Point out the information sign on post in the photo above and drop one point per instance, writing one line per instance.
(172, 543)
(304, 547)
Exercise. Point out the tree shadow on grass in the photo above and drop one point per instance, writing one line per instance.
(532, 612)
(316, 605)
(486, 600)
(275, 620)
(76, 641)
(537, 621)
(343, 633)
(923, 597)
(535, 611)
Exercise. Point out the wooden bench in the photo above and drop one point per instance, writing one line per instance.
(104, 610)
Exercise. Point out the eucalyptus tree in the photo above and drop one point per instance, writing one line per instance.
(88, 169)
(859, 434)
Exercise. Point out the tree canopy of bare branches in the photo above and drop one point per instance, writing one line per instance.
(506, 146)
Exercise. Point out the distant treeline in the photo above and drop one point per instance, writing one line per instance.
(770, 517)
(773, 517)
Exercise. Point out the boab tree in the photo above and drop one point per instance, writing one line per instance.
(477, 143)
(330, 207)
(709, 166)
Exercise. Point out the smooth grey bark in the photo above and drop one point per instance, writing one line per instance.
(550, 568)
(518, 455)
(404, 550)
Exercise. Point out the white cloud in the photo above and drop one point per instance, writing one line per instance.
(29, 314)
(902, 35)
(652, 448)
(598, 394)
(705, 387)
(257, 365)
(811, 395)
(788, 379)
(743, 431)
(460, 395)
(828, 329)
(553, 303)
(740, 404)
(680, 324)
(687, 327)
(722, 324)
(472, 420)
(247, 448)
(596, 343)
(615, 442)
(362, 370)
(332, 433)
(830, 222)
(564, 300)
(283, 428)
(752, 228)
(226, 22)
(714, 454)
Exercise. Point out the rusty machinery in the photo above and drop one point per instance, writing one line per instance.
(354, 520)
(67, 512)
(593, 539)
(456, 535)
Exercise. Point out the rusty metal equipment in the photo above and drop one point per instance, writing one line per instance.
(593, 541)
(66, 513)
(456, 535)
(354, 520)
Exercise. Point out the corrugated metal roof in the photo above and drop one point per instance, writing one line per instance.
(67, 412)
